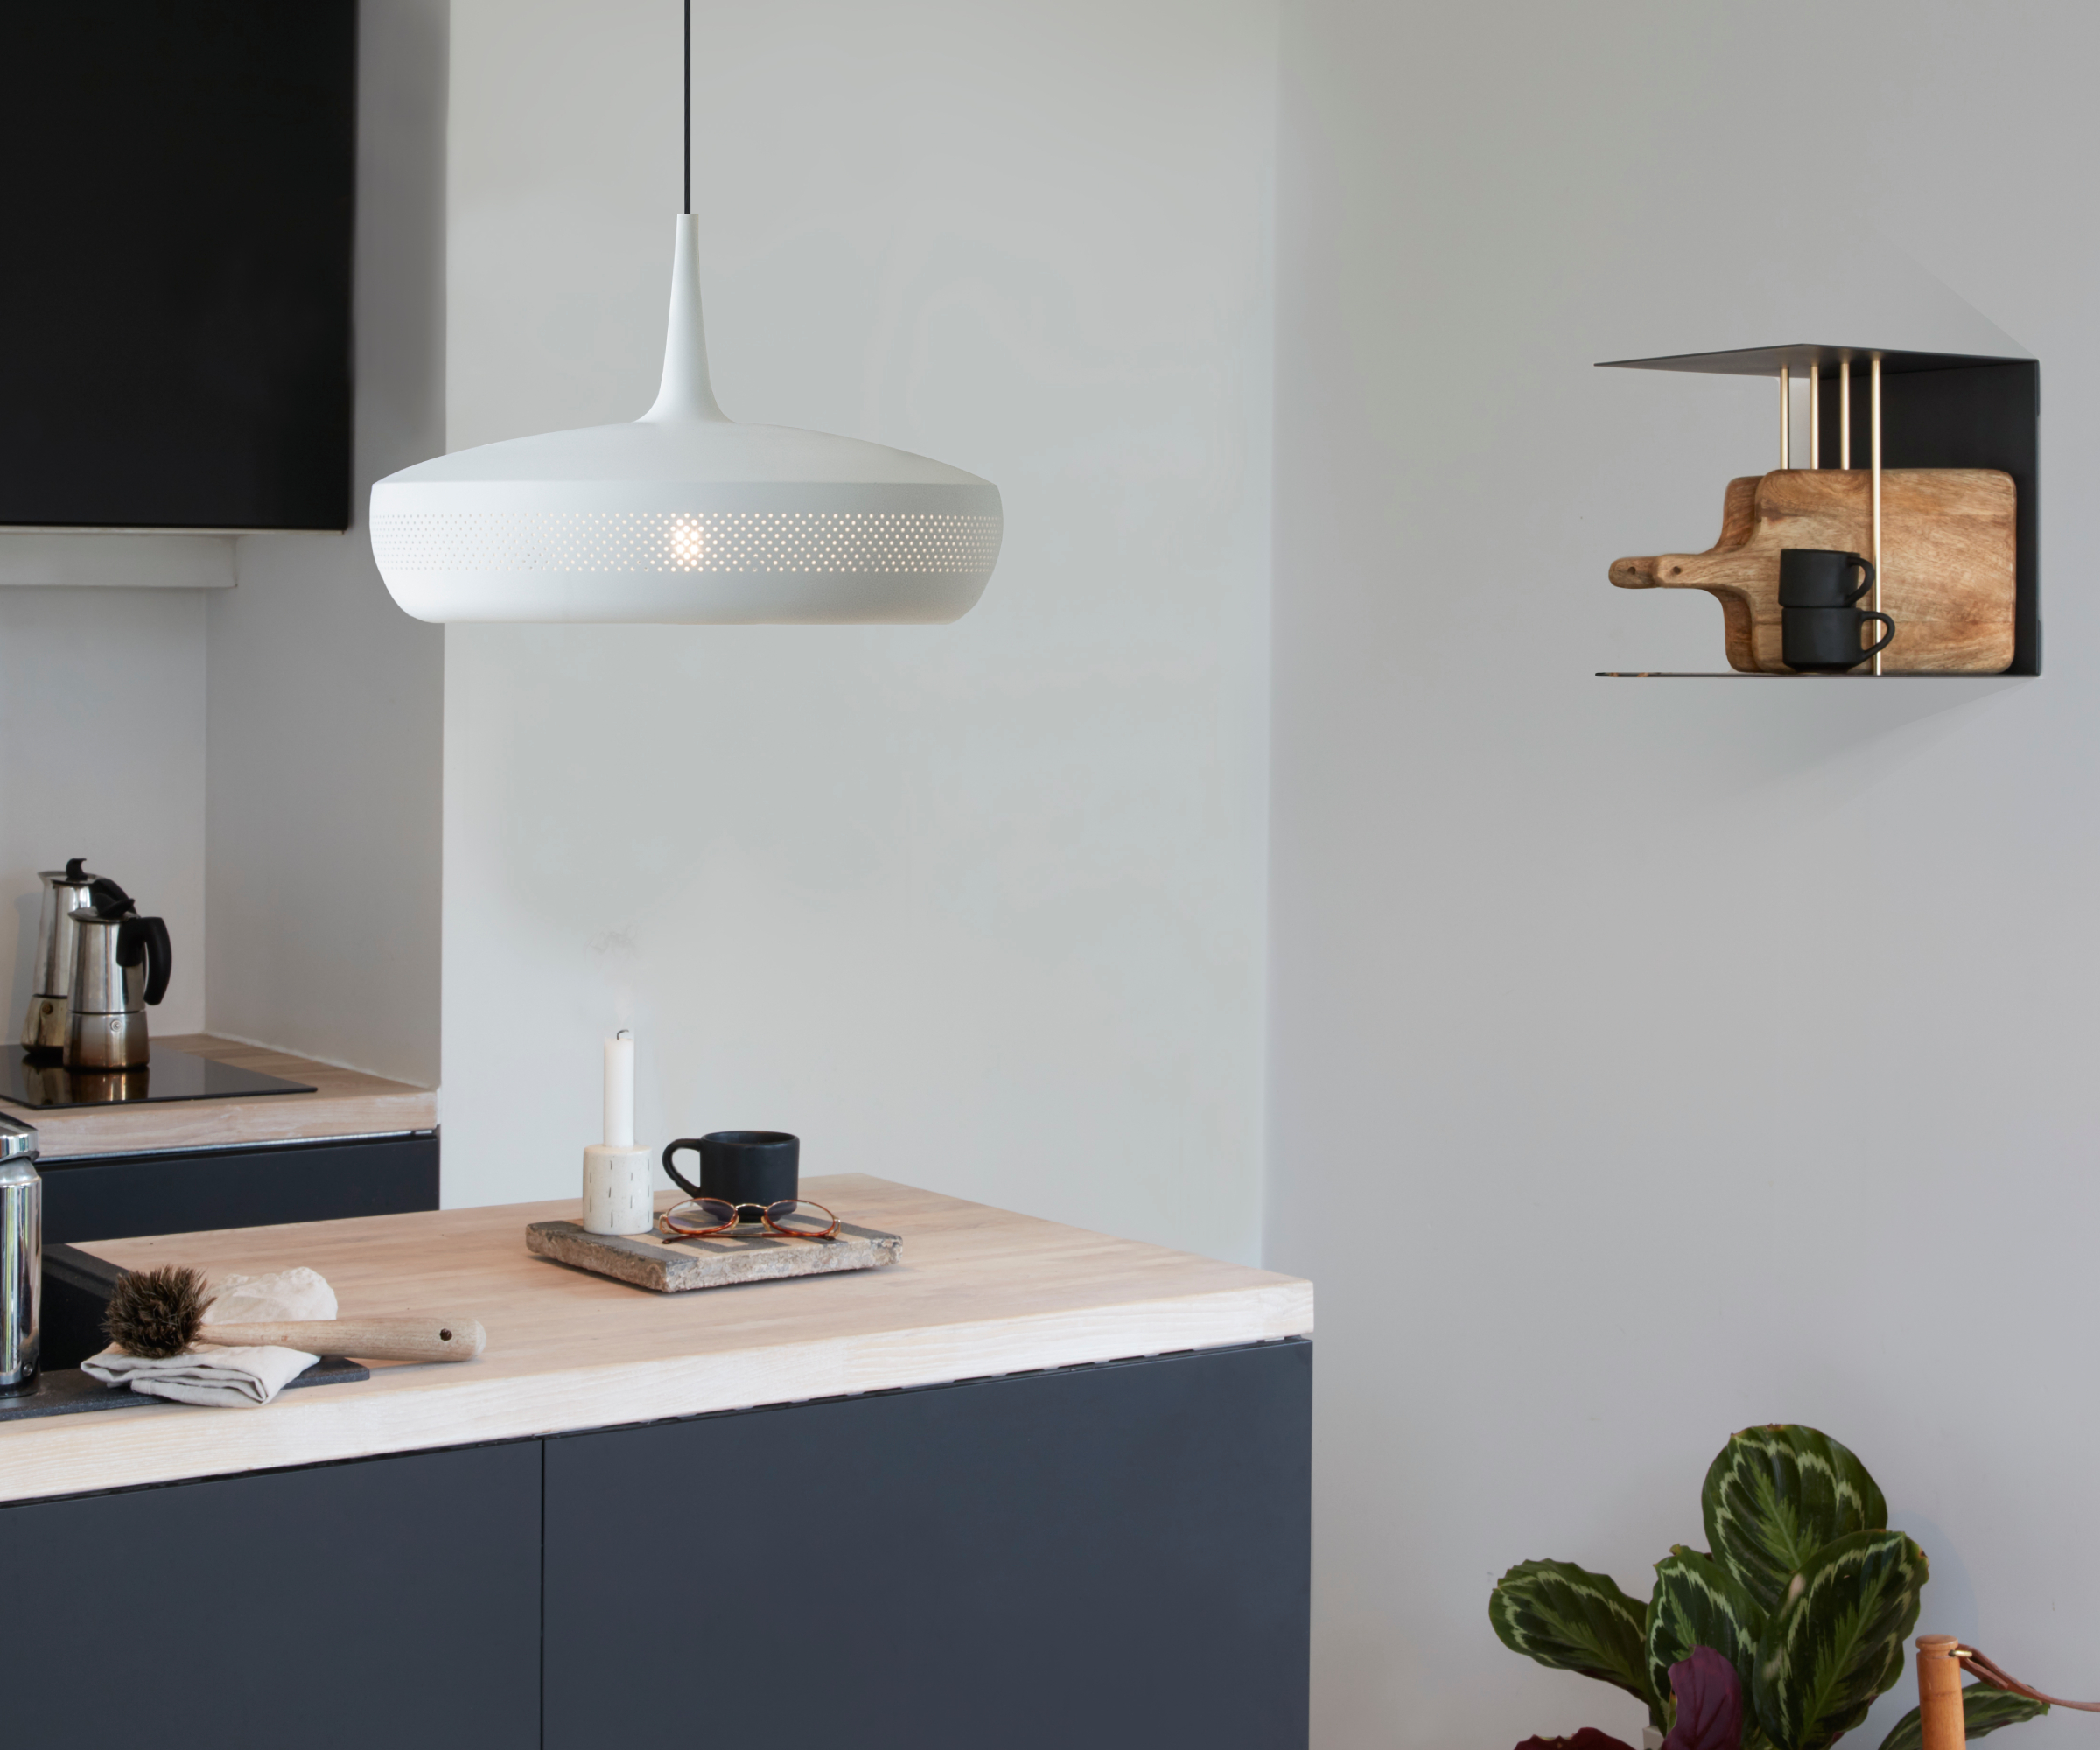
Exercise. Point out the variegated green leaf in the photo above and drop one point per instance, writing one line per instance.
(1574, 1621)
(1837, 1640)
(1698, 1603)
(1983, 1709)
(1777, 1495)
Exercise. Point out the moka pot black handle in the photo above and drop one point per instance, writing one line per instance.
(147, 938)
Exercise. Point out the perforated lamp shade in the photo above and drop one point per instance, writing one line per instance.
(686, 517)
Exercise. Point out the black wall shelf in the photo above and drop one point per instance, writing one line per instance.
(1938, 411)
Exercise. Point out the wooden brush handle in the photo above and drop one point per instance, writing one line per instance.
(372, 1340)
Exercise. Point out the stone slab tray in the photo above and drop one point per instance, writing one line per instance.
(676, 1266)
(67, 1391)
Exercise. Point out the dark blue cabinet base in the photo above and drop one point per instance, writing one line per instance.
(1115, 1556)
(117, 1196)
(391, 1602)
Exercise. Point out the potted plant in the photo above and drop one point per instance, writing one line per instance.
(1803, 1594)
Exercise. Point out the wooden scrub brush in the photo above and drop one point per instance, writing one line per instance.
(160, 1312)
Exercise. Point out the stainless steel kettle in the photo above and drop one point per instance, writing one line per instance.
(21, 1258)
(121, 965)
(65, 891)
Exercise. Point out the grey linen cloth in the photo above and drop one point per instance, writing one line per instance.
(228, 1377)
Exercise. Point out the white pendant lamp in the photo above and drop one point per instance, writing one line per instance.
(683, 516)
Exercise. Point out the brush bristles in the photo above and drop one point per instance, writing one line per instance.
(156, 1312)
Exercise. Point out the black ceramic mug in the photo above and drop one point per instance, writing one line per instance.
(1825, 640)
(1817, 577)
(742, 1167)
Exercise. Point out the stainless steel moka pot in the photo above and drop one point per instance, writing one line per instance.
(21, 1258)
(121, 964)
(66, 891)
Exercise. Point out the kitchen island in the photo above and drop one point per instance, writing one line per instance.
(1031, 1485)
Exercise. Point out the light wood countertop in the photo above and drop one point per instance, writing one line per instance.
(978, 1291)
(345, 1102)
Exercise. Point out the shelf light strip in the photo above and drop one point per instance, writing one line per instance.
(1786, 415)
(1814, 415)
(1845, 413)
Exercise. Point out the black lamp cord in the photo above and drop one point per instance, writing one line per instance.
(689, 106)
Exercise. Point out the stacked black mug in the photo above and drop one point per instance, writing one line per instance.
(1819, 626)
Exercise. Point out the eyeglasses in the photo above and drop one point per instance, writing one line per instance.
(700, 1218)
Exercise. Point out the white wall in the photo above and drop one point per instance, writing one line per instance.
(101, 722)
(1654, 1058)
(978, 907)
(326, 712)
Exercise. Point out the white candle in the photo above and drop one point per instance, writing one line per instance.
(620, 1092)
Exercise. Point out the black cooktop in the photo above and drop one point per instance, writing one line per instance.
(171, 1075)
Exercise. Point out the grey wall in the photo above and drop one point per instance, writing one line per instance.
(1654, 1058)
(326, 700)
(979, 907)
(103, 724)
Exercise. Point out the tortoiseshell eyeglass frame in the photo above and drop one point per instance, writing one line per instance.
(669, 1226)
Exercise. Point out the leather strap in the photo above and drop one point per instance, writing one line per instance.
(1984, 1670)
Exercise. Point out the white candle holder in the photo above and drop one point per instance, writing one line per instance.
(616, 1190)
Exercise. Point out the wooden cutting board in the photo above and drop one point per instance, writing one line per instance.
(1947, 576)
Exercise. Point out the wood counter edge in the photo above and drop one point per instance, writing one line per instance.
(345, 1102)
(417, 1410)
